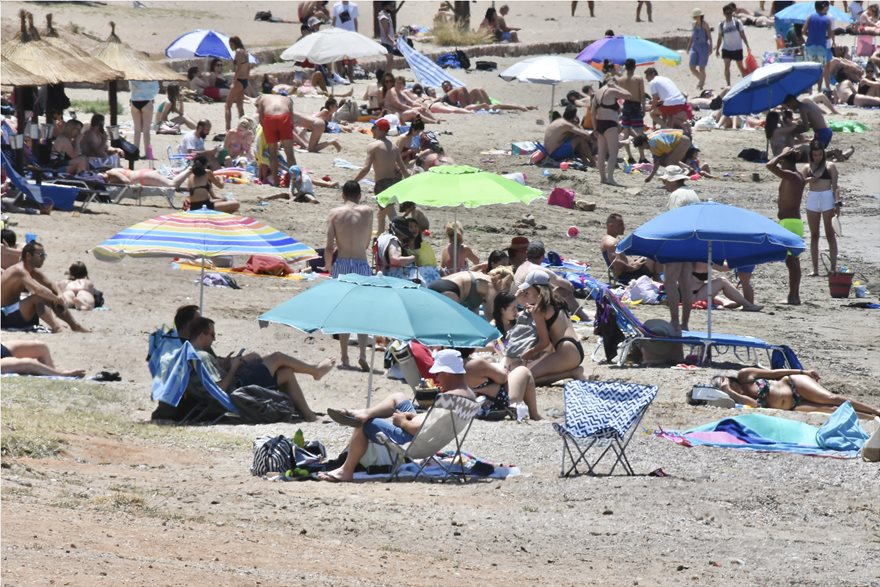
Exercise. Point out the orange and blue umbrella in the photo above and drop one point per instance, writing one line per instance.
(618, 49)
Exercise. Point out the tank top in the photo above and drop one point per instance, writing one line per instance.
(817, 30)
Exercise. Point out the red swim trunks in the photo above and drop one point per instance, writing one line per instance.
(671, 110)
(277, 127)
(213, 93)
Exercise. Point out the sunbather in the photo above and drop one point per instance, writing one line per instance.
(169, 114)
(201, 189)
(405, 422)
(65, 149)
(273, 370)
(316, 127)
(501, 387)
(475, 99)
(146, 177)
(396, 102)
(10, 253)
(31, 357)
(785, 389)
(720, 285)
(464, 254)
(78, 290)
(473, 290)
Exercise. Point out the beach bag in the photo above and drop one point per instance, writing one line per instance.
(563, 197)
(644, 289)
(271, 454)
(753, 155)
(260, 405)
(448, 61)
(311, 456)
(751, 64)
(463, 59)
(486, 65)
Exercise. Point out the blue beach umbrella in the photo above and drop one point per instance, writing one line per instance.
(712, 233)
(767, 87)
(618, 49)
(798, 12)
(202, 43)
(383, 306)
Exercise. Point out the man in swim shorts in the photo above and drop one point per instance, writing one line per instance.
(565, 139)
(384, 158)
(276, 118)
(812, 116)
(791, 192)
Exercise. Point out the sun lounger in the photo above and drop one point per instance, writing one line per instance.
(138, 192)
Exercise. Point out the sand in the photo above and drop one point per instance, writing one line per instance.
(720, 517)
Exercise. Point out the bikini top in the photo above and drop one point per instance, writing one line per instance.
(825, 174)
(206, 187)
(614, 106)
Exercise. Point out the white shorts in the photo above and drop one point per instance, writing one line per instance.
(820, 201)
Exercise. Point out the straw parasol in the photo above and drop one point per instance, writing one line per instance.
(53, 38)
(13, 75)
(136, 65)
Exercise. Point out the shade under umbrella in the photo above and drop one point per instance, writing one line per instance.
(202, 43)
(135, 65)
(551, 70)
(712, 233)
(618, 49)
(383, 306)
(13, 75)
(767, 87)
(201, 234)
(331, 45)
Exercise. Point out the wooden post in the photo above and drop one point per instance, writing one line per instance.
(113, 102)
(463, 13)
(21, 123)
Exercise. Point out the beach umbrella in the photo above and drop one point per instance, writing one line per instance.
(551, 70)
(383, 306)
(457, 185)
(618, 49)
(13, 75)
(767, 87)
(201, 234)
(202, 43)
(712, 233)
(52, 37)
(135, 65)
(799, 11)
(331, 45)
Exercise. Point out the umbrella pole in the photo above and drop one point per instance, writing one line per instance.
(370, 376)
(455, 241)
(202, 288)
(709, 295)
(552, 96)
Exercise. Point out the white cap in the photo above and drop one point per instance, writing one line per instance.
(448, 361)
(535, 277)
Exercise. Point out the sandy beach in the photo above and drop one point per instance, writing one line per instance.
(94, 494)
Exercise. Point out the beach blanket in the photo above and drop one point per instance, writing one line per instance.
(473, 466)
(847, 126)
(840, 437)
(187, 266)
(426, 71)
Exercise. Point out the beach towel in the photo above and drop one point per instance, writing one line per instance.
(426, 71)
(473, 467)
(170, 388)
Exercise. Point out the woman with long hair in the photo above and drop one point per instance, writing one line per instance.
(500, 387)
(201, 189)
(170, 115)
(395, 102)
(65, 148)
(823, 202)
(240, 79)
(606, 114)
(463, 253)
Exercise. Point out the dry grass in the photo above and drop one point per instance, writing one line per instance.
(451, 35)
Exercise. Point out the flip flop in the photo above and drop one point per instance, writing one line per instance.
(322, 476)
(344, 418)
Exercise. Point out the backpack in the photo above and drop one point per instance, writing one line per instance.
(271, 454)
(259, 405)
(448, 60)
(463, 59)
(605, 325)
(486, 65)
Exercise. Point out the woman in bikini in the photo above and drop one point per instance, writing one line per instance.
(720, 285)
(455, 234)
(169, 114)
(473, 289)
(823, 202)
(239, 142)
(239, 81)
(606, 112)
(146, 177)
(851, 94)
(500, 387)
(65, 149)
(558, 353)
(142, 96)
(201, 189)
(395, 102)
(328, 114)
(785, 389)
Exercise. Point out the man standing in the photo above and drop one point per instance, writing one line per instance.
(388, 168)
(632, 115)
(345, 15)
(819, 31)
(731, 37)
(193, 143)
(812, 116)
(44, 294)
(276, 118)
(791, 192)
(565, 139)
(348, 235)
(669, 101)
(386, 33)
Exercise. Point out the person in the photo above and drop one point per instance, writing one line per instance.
(65, 151)
(463, 253)
(184, 318)
(632, 114)
(193, 144)
(517, 251)
(275, 370)
(396, 102)
(426, 260)
(201, 189)
(565, 139)
(170, 114)
(781, 130)
(606, 112)
(301, 187)
(703, 289)
(869, 27)
(558, 353)
(473, 289)
(668, 146)
(791, 192)
(44, 301)
(391, 245)
(145, 177)
(731, 37)
(386, 33)
(699, 47)
(405, 423)
(647, 6)
(506, 32)
(409, 210)
(31, 357)
(78, 290)
(496, 258)
(819, 29)
(793, 390)
(239, 142)
(535, 253)
(9, 253)
(474, 99)
(240, 80)
(848, 93)
(348, 237)
(622, 267)
(695, 165)
(669, 101)
(823, 202)
(210, 84)
(388, 168)
(276, 119)
(345, 15)
(499, 387)
(143, 93)
(489, 24)
(306, 11)
(96, 145)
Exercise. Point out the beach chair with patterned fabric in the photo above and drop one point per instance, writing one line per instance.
(600, 419)
(449, 420)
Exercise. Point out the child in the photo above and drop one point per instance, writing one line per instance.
(302, 187)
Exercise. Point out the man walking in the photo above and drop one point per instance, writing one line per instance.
(388, 168)
(276, 118)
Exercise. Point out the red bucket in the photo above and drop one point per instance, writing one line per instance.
(840, 284)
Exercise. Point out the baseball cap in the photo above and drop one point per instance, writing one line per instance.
(382, 124)
(447, 361)
(535, 277)
(295, 171)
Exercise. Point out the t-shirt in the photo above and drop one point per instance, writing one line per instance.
(341, 19)
(385, 38)
(305, 187)
(212, 366)
(666, 90)
(732, 40)
(143, 91)
(191, 142)
(856, 9)
(663, 142)
(682, 197)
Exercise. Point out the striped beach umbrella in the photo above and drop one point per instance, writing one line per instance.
(618, 49)
(201, 234)
(203, 43)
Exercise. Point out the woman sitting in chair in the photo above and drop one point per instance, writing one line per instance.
(65, 151)
(785, 389)
(501, 387)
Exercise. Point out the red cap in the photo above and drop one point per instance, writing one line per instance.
(382, 124)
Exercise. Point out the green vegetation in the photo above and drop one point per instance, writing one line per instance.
(94, 107)
(450, 35)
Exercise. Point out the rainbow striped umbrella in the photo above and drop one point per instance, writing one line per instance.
(201, 234)
(619, 49)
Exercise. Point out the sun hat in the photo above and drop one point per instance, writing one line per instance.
(518, 242)
(535, 277)
(697, 12)
(382, 124)
(447, 361)
(673, 173)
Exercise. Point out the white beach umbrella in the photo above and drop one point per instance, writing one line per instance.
(333, 44)
(551, 70)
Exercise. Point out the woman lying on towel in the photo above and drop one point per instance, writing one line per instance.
(785, 389)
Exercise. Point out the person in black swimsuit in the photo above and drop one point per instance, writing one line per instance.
(606, 112)
(201, 189)
(240, 76)
(502, 388)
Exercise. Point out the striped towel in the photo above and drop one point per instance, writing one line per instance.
(427, 72)
(170, 387)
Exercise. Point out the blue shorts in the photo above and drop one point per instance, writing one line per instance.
(398, 435)
(563, 151)
(823, 135)
(699, 56)
(817, 53)
(505, 36)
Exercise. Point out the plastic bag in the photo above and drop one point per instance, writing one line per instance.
(751, 64)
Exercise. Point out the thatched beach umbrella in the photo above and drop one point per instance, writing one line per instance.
(14, 76)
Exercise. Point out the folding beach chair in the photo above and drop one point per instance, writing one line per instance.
(31, 195)
(600, 418)
(448, 420)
